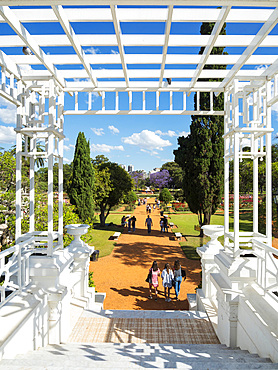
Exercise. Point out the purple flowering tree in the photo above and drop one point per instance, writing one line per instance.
(160, 179)
(138, 178)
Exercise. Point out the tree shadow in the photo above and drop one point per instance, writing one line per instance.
(150, 304)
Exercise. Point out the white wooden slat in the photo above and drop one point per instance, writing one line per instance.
(22, 32)
(130, 15)
(140, 40)
(246, 55)
(61, 16)
(120, 46)
(215, 32)
(165, 47)
(144, 59)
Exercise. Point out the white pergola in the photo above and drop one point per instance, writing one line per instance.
(95, 47)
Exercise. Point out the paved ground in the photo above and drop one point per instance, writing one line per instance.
(143, 327)
(122, 274)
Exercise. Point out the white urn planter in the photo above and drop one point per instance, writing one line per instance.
(214, 232)
(77, 230)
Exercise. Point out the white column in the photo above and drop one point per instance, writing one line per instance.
(50, 156)
(268, 171)
(254, 149)
(236, 168)
(18, 164)
(226, 169)
(32, 185)
(60, 174)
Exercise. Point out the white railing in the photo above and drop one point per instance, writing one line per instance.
(14, 263)
(267, 266)
(14, 269)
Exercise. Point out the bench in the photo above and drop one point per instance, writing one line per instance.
(171, 224)
(197, 227)
(116, 235)
(178, 236)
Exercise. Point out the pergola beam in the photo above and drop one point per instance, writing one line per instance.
(209, 3)
(211, 43)
(28, 40)
(117, 28)
(152, 15)
(62, 18)
(257, 40)
(166, 41)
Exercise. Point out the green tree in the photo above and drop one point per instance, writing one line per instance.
(112, 184)
(130, 198)
(175, 172)
(99, 159)
(165, 196)
(67, 176)
(200, 154)
(81, 190)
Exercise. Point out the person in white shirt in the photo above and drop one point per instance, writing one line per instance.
(167, 279)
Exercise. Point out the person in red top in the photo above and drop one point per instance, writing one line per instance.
(155, 273)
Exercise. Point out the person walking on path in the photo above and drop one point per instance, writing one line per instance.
(133, 220)
(161, 222)
(177, 278)
(149, 224)
(129, 224)
(167, 278)
(165, 221)
(154, 280)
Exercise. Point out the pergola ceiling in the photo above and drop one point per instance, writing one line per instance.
(97, 45)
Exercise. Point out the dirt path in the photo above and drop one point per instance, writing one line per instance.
(122, 274)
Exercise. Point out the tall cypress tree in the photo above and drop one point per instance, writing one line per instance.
(81, 190)
(201, 153)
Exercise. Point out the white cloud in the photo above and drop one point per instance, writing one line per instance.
(97, 131)
(147, 140)
(91, 50)
(170, 133)
(66, 148)
(66, 139)
(114, 129)
(7, 111)
(66, 160)
(183, 133)
(104, 148)
(7, 135)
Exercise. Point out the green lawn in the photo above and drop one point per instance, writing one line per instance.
(99, 237)
(185, 223)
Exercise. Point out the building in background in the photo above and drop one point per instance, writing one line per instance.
(130, 168)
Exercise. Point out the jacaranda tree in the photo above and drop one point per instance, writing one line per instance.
(160, 179)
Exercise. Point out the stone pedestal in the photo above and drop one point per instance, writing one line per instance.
(51, 275)
(81, 253)
(207, 253)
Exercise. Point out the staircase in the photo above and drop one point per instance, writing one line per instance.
(139, 340)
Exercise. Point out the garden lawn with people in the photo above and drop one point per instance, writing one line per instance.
(186, 226)
(99, 237)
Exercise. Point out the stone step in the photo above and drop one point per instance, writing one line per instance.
(137, 356)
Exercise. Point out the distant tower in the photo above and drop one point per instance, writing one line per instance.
(130, 168)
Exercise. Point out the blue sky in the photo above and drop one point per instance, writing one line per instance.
(143, 141)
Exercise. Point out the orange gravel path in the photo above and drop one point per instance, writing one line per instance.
(122, 274)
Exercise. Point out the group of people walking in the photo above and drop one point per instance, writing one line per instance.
(170, 278)
(129, 222)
